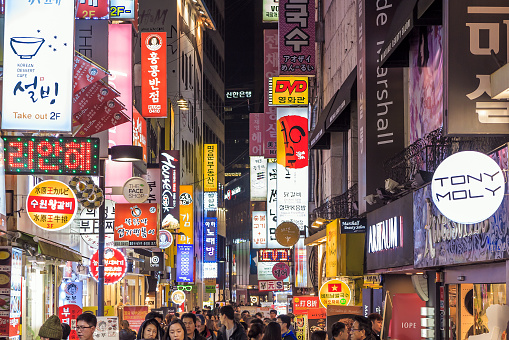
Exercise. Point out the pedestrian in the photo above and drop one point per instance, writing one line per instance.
(266, 321)
(205, 332)
(126, 333)
(376, 324)
(231, 330)
(339, 331)
(155, 315)
(167, 320)
(245, 315)
(292, 323)
(256, 331)
(176, 331)
(189, 320)
(272, 331)
(259, 316)
(66, 331)
(361, 329)
(286, 332)
(256, 320)
(150, 329)
(273, 314)
(319, 335)
(85, 326)
(51, 329)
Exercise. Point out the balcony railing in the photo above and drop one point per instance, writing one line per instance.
(342, 206)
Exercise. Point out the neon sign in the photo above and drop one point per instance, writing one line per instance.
(51, 156)
(274, 255)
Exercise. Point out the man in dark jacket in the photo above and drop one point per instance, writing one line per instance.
(231, 330)
(286, 333)
(189, 320)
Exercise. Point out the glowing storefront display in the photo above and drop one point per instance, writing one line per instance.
(335, 293)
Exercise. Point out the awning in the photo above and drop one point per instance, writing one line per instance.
(336, 119)
(49, 248)
(319, 138)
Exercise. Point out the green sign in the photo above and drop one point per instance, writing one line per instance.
(210, 289)
(270, 10)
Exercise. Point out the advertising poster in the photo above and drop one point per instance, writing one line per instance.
(70, 304)
(258, 173)
(136, 225)
(169, 162)
(186, 218)
(405, 323)
(301, 304)
(135, 315)
(140, 132)
(316, 319)
(153, 75)
(210, 166)
(270, 69)
(185, 263)
(301, 326)
(107, 328)
(344, 314)
(38, 66)
(259, 229)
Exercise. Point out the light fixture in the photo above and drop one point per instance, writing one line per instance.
(126, 153)
(181, 101)
(370, 199)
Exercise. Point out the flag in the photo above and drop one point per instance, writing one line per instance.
(92, 95)
(104, 123)
(86, 72)
(97, 111)
(334, 288)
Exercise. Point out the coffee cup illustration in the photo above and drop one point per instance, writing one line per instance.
(26, 47)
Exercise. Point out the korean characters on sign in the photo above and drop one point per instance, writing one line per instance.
(136, 225)
(210, 167)
(270, 285)
(153, 74)
(169, 162)
(288, 91)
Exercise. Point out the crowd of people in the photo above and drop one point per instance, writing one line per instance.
(223, 324)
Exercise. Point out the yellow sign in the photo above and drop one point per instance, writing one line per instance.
(178, 297)
(288, 91)
(332, 249)
(210, 167)
(108, 310)
(186, 215)
(335, 293)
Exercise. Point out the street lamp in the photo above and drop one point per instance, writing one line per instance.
(118, 153)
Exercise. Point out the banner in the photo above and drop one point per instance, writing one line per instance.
(153, 75)
(169, 162)
(259, 236)
(186, 218)
(258, 174)
(210, 167)
(93, 95)
(270, 69)
(256, 126)
(153, 178)
(38, 66)
(70, 304)
(85, 73)
(136, 225)
(272, 205)
(135, 315)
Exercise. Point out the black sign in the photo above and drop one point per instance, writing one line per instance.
(155, 262)
(169, 162)
(353, 225)
(473, 30)
(390, 235)
(51, 156)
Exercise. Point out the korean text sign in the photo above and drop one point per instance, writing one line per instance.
(186, 215)
(153, 75)
(140, 132)
(256, 133)
(210, 167)
(210, 240)
(92, 9)
(70, 304)
(272, 205)
(38, 65)
(270, 69)
(297, 37)
(169, 161)
(259, 229)
(115, 265)
(288, 91)
(135, 315)
(136, 225)
(258, 174)
(185, 262)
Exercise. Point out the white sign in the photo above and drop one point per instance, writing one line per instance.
(272, 206)
(210, 200)
(107, 328)
(386, 235)
(136, 190)
(468, 187)
(178, 297)
(38, 65)
(209, 270)
(230, 193)
(259, 229)
(265, 271)
(165, 239)
(258, 173)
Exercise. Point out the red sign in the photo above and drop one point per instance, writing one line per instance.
(293, 135)
(93, 9)
(406, 321)
(68, 314)
(136, 225)
(92, 95)
(140, 132)
(281, 271)
(256, 133)
(153, 75)
(270, 69)
(298, 86)
(316, 313)
(85, 73)
(115, 265)
(301, 304)
(135, 315)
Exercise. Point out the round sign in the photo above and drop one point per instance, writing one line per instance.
(165, 239)
(51, 205)
(153, 42)
(335, 293)
(136, 190)
(287, 234)
(281, 271)
(468, 187)
(178, 297)
(115, 265)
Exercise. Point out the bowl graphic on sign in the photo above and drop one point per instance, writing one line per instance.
(26, 47)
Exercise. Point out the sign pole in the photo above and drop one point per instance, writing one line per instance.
(102, 236)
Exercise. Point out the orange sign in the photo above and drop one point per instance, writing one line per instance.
(140, 132)
(136, 225)
(153, 75)
(51, 205)
(186, 215)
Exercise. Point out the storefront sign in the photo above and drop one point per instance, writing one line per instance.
(406, 321)
(70, 304)
(155, 262)
(89, 225)
(281, 271)
(3, 199)
(210, 167)
(270, 285)
(186, 215)
(107, 328)
(230, 194)
(51, 156)
(51, 205)
(352, 225)
(288, 91)
(265, 271)
(140, 132)
(185, 262)
(272, 205)
(258, 175)
(209, 270)
(122, 9)
(135, 315)
(259, 229)
(274, 255)
(287, 234)
(136, 225)
(292, 166)
(301, 304)
(468, 187)
(210, 240)
(178, 297)
(332, 249)
(38, 66)
(256, 133)
(115, 265)
(238, 94)
(153, 178)
(270, 10)
(270, 69)
(170, 183)
(153, 75)
(297, 37)
(165, 239)
(390, 236)
(136, 190)
(210, 201)
(335, 292)
(11, 263)
(97, 9)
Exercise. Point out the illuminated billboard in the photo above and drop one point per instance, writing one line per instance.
(288, 91)
(153, 75)
(210, 167)
(258, 174)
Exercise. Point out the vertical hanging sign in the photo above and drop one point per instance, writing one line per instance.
(153, 75)
(210, 167)
(259, 236)
(258, 174)
(256, 126)
(272, 205)
(270, 69)
(38, 66)
(186, 215)
(210, 248)
(170, 180)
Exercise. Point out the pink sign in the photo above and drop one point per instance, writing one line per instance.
(281, 271)
(135, 315)
(256, 126)
(120, 67)
(406, 321)
(270, 69)
(297, 37)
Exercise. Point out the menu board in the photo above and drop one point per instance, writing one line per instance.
(107, 328)
(10, 292)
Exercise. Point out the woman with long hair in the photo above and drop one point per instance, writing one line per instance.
(272, 331)
(255, 331)
(176, 331)
(150, 329)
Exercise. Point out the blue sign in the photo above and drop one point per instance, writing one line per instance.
(185, 264)
(210, 240)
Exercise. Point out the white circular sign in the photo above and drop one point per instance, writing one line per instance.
(178, 297)
(165, 239)
(468, 187)
(136, 190)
